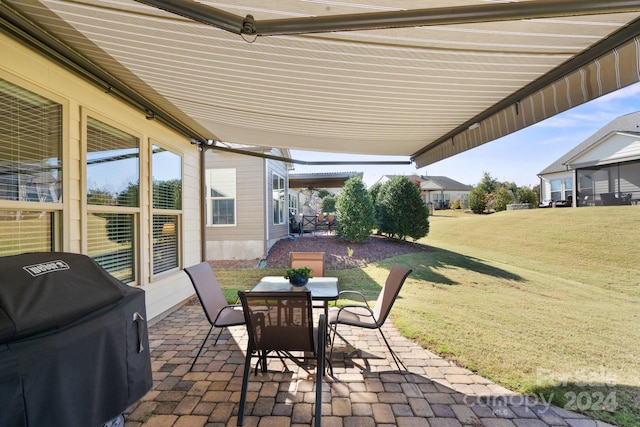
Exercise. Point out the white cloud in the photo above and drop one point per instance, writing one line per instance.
(624, 93)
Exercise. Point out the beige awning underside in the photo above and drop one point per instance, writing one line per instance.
(426, 92)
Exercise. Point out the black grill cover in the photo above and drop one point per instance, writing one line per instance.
(73, 342)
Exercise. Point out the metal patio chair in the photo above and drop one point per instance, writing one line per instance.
(280, 324)
(309, 223)
(363, 316)
(313, 260)
(219, 312)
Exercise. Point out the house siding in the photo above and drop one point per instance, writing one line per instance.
(23, 67)
(545, 183)
(276, 231)
(617, 148)
(245, 239)
(254, 232)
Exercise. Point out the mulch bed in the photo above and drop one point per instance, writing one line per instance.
(376, 248)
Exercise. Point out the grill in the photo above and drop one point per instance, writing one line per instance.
(73, 342)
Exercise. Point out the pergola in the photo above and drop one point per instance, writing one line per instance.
(320, 180)
(403, 80)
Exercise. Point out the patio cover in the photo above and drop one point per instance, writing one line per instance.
(321, 180)
(363, 76)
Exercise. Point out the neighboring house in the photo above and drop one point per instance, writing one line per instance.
(247, 204)
(82, 171)
(440, 191)
(602, 170)
(249, 201)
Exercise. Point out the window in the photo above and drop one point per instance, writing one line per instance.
(167, 209)
(113, 181)
(561, 188)
(556, 189)
(568, 188)
(110, 242)
(30, 171)
(293, 204)
(278, 191)
(221, 197)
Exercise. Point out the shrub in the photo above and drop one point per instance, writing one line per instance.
(374, 191)
(477, 200)
(329, 204)
(501, 199)
(488, 184)
(355, 212)
(527, 195)
(401, 212)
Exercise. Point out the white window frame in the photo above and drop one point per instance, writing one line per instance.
(169, 212)
(19, 210)
(209, 199)
(134, 211)
(278, 198)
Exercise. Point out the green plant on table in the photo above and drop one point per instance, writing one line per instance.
(304, 272)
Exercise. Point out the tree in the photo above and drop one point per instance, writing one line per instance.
(323, 192)
(477, 200)
(356, 215)
(374, 190)
(527, 195)
(401, 211)
(501, 199)
(315, 203)
(167, 194)
(329, 204)
(488, 184)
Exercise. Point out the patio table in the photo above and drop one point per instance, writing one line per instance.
(322, 288)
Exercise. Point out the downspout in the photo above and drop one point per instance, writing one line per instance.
(619, 192)
(203, 234)
(541, 189)
(266, 207)
(574, 202)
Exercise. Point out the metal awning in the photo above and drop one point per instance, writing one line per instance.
(347, 77)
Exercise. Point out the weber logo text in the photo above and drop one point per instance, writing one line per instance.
(46, 267)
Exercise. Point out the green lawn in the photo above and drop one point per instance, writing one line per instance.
(544, 302)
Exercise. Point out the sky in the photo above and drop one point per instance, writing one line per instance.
(517, 157)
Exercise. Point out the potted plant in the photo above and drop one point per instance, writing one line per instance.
(298, 276)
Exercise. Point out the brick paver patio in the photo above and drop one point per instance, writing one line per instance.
(366, 390)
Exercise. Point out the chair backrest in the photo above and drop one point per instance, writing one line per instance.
(309, 222)
(208, 289)
(389, 292)
(279, 320)
(313, 260)
(608, 199)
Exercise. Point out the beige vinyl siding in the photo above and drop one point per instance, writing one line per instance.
(245, 239)
(546, 183)
(24, 67)
(277, 231)
(618, 147)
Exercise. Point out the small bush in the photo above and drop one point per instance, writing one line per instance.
(477, 200)
(527, 195)
(355, 211)
(501, 199)
(401, 212)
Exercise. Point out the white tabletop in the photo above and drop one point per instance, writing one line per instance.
(322, 288)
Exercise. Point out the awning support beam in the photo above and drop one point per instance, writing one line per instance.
(214, 146)
(535, 9)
